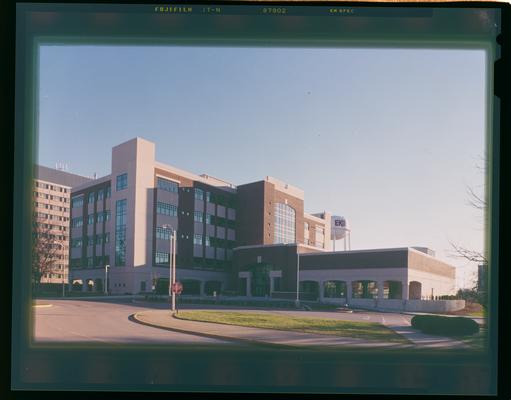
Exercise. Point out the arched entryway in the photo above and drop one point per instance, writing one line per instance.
(334, 289)
(89, 285)
(309, 290)
(392, 290)
(415, 290)
(77, 285)
(364, 289)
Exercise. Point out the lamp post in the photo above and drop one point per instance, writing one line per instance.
(172, 266)
(63, 286)
(106, 278)
(297, 301)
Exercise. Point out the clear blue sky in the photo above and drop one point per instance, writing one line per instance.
(388, 138)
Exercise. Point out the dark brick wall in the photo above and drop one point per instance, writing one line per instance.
(250, 221)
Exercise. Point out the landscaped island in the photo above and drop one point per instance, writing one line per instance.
(360, 330)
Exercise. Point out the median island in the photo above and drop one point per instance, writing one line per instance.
(323, 326)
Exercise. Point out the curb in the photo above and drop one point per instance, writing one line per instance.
(133, 318)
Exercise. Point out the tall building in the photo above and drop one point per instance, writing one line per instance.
(253, 239)
(124, 220)
(52, 193)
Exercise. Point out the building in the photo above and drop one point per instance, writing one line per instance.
(52, 194)
(242, 239)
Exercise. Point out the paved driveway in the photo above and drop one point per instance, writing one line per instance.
(100, 321)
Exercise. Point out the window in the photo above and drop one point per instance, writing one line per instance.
(77, 222)
(108, 192)
(208, 219)
(77, 201)
(76, 242)
(207, 241)
(99, 239)
(120, 232)
(198, 216)
(166, 209)
(199, 194)
(90, 261)
(306, 226)
(100, 194)
(163, 233)
(107, 237)
(100, 217)
(90, 219)
(161, 258)
(122, 182)
(91, 197)
(285, 224)
(208, 197)
(169, 186)
(197, 239)
(90, 241)
(107, 215)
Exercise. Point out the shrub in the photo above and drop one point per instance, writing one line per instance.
(448, 326)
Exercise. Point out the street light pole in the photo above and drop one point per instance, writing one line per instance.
(297, 301)
(106, 278)
(172, 265)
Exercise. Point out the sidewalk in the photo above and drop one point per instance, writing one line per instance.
(271, 337)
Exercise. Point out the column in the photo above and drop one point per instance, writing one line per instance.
(321, 290)
(404, 291)
(201, 290)
(380, 290)
(349, 291)
(249, 293)
(271, 284)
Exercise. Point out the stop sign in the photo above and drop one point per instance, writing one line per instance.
(177, 287)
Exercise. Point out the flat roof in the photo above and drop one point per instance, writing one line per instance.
(58, 176)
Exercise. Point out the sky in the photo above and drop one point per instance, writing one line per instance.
(389, 138)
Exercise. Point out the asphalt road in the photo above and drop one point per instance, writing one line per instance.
(108, 321)
(102, 321)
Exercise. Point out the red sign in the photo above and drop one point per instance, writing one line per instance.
(177, 287)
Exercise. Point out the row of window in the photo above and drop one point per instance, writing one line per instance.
(51, 187)
(50, 207)
(50, 197)
(53, 276)
(208, 241)
(99, 217)
(50, 216)
(319, 229)
(198, 216)
(77, 201)
(163, 258)
(91, 240)
(89, 261)
(199, 194)
(51, 226)
(168, 186)
(166, 209)
(45, 235)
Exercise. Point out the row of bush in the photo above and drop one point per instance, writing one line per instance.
(448, 326)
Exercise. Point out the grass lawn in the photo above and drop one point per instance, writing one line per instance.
(361, 330)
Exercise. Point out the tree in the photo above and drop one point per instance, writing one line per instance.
(46, 247)
(479, 202)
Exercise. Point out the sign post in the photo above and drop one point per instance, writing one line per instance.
(177, 289)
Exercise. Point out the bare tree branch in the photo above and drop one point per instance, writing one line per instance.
(467, 254)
